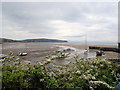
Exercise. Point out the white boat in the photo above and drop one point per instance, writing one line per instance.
(2, 56)
(22, 54)
(86, 51)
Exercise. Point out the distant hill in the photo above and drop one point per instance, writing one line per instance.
(7, 40)
(32, 40)
(44, 40)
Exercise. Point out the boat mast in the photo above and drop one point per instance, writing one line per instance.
(25, 46)
(86, 41)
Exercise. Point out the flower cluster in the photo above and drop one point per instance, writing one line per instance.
(84, 74)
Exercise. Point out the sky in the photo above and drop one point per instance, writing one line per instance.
(71, 21)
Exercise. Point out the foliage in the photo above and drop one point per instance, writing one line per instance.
(25, 76)
(83, 74)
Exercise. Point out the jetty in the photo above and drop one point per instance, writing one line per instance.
(105, 48)
(112, 49)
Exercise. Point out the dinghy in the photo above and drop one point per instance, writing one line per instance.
(22, 54)
(2, 56)
(100, 53)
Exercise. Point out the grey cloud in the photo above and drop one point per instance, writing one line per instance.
(35, 17)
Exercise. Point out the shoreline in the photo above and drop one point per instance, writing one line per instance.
(109, 54)
(36, 50)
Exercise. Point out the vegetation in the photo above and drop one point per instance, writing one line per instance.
(98, 74)
(7, 40)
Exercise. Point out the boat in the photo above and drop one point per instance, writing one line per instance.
(100, 53)
(86, 51)
(23, 54)
(2, 56)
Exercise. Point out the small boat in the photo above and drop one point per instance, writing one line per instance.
(86, 51)
(100, 53)
(22, 54)
(68, 50)
(2, 56)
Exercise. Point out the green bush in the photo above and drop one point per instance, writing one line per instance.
(89, 74)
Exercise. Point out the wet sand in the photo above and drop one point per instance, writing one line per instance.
(109, 54)
(38, 51)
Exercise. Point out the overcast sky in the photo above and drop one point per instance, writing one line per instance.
(60, 20)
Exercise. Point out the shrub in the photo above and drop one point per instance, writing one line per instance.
(90, 74)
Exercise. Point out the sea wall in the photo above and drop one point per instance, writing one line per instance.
(105, 48)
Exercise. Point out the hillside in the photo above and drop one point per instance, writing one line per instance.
(32, 40)
(7, 40)
(44, 40)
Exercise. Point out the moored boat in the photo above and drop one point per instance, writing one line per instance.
(22, 54)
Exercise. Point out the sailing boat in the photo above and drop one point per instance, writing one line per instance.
(23, 53)
(86, 49)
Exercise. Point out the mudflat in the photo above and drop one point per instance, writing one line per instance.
(38, 51)
(109, 54)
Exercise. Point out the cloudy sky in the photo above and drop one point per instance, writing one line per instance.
(60, 20)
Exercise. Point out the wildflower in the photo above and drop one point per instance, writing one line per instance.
(48, 60)
(2, 60)
(96, 74)
(88, 71)
(78, 72)
(101, 82)
(17, 59)
(91, 88)
(92, 66)
(41, 64)
(93, 77)
(118, 74)
(101, 65)
(41, 80)
(82, 66)
(104, 76)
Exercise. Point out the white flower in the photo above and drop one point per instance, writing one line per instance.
(82, 66)
(41, 80)
(91, 88)
(78, 72)
(101, 65)
(2, 60)
(17, 59)
(93, 77)
(48, 60)
(41, 64)
(118, 74)
(101, 82)
(92, 66)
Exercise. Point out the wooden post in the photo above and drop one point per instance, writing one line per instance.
(119, 45)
